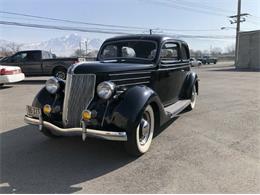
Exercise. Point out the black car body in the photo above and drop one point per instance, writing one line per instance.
(39, 62)
(138, 84)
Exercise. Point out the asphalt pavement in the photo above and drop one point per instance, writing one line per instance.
(213, 149)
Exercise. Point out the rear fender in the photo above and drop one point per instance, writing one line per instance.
(190, 81)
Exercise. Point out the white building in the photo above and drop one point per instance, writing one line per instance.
(249, 50)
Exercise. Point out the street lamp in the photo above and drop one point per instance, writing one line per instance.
(227, 28)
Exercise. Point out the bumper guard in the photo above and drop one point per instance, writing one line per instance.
(107, 135)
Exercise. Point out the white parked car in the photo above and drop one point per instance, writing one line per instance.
(194, 62)
(10, 74)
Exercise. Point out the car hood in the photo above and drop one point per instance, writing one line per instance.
(106, 67)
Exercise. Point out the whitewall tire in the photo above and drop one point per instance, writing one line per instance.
(141, 138)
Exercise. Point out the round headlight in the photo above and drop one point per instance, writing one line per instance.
(52, 85)
(105, 89)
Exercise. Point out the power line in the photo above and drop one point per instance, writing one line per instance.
(94, 30)
(185, 7)
(200, 5)
(133, 29)
(107, 29)
(60, 27)
(163, 29)
(190, 30)
(74, 21)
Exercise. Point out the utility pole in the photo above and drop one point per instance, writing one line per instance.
(80, 48)
(237, 19)
(86, 45)
(238, 30)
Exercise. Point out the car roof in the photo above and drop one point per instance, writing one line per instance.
(153, 37)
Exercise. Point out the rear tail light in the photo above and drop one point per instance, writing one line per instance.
(9, 72)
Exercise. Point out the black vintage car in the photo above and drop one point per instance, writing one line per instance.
(138, 84)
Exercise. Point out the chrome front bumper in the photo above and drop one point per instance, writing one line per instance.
(107, 135)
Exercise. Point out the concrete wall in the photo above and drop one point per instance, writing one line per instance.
(249, 50)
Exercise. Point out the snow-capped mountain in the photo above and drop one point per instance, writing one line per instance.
(63, 46)
(66, 45)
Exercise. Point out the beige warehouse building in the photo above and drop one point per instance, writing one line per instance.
(249, 50)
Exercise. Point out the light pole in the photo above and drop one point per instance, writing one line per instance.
(227, 28)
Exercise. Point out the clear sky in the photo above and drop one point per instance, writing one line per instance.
(175, 14)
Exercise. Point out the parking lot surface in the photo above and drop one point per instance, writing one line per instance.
(213, 149)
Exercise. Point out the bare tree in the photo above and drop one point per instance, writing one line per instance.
(14, 47)
(230, 50)
(10, 49)
(78, 53)
(216, 51)
(195, 53)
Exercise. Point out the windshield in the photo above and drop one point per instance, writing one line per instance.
(129, 49)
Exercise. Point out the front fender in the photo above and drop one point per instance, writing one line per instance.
(128, 112)
(55, 100)
(43, 97)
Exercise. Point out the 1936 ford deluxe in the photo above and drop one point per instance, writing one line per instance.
(138, 84)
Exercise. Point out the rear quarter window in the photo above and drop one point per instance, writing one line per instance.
(170, 52)
(185, 52)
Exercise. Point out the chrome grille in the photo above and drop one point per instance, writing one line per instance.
(79, 92)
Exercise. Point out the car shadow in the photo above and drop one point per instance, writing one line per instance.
(30, 82)
(165, 126)
(5, 87)
(233, 69)
(33, 163)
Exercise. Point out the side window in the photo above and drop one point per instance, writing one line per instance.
(20, 57)
(45, 55)
(109, 52)
(50, 55)
(33, 56)
(170, 52)
(185, 52)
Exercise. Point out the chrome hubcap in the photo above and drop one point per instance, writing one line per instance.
(193, 94)
(144, 129)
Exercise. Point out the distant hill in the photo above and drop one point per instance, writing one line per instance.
(61, 46)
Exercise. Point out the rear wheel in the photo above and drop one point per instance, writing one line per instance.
(193, 98)
(139, 141)
(60, 73)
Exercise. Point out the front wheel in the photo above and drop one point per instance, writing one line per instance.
(139, 141)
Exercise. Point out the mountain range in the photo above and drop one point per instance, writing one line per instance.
(62, 46)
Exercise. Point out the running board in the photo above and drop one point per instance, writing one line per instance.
(176, 108)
